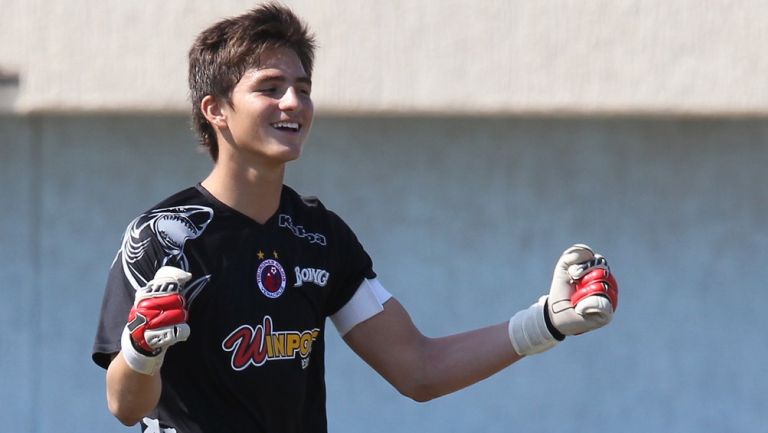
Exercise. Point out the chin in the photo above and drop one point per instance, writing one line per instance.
(282, 149)
(287, 154)
(293, 157)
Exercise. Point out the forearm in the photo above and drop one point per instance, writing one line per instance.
(457, 361)
(425, 368)
(131, 395)
(460, 360)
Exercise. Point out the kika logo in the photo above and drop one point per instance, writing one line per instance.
(254, 347)
(313, 238)
(311, 275)
(271, 278)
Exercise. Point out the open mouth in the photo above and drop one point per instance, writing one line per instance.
(287, 126)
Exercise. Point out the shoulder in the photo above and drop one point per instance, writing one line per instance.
(186, 197)
(158, 235)
(185, 213)
(304, 203)
(307, 216)
(188, 204)
(310, 209)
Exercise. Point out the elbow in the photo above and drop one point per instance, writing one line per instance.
(131, 396)
(422, 396)
(127, 421)
(417, 388)
(126, 415)
(416, 379)
(126, 418)
(419, 393)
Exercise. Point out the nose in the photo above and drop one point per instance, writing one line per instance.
(290, 100)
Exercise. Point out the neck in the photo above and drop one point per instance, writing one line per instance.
(252, 191)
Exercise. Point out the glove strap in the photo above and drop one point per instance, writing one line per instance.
(138, 361)
(548, 320)
(528, 330)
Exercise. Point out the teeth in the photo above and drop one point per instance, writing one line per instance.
(289, 125)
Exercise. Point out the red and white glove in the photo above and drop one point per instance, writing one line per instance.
(156, 321)
(596, 290)
(582, 297)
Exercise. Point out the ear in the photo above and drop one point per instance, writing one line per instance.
(214, 111)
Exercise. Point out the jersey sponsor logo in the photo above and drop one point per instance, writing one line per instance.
(271, 278)
(170, 228)
(311, 275)
(256, 346)
(313, 238)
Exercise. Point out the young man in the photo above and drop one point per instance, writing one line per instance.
(213, 319)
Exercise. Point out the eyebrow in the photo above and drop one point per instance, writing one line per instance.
(281, 78)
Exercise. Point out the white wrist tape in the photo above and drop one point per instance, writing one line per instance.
(528, 330)
(140, 363)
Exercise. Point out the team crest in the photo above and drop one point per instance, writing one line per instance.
(271, 278)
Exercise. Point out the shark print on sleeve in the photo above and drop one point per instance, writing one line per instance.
(170, 228)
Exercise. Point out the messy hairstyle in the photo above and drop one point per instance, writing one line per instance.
(222, 53)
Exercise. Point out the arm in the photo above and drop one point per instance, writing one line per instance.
(131, 395)
(156, 322)
(424, 368)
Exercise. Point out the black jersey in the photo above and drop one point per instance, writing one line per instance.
(258, 300)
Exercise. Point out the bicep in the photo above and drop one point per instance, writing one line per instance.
(390, 343)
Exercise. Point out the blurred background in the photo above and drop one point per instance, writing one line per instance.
(467, 143)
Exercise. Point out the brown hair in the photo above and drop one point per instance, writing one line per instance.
(222, 53)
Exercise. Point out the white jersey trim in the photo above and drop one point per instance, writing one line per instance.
(367, 302)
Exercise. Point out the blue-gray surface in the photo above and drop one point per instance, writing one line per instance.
(464, 219)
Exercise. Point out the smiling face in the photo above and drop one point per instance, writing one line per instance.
(270, 111)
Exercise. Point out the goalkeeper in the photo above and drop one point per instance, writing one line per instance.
(213, 318)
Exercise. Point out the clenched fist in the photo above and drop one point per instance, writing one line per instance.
(583, 294)
(156, 321)
(582, 297)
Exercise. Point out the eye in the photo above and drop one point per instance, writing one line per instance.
(304, 90)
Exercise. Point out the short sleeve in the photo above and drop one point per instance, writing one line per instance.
(353, 264)
(134, 265)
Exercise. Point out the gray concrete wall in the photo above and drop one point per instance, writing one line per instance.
(464, 219)
(458, 56)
